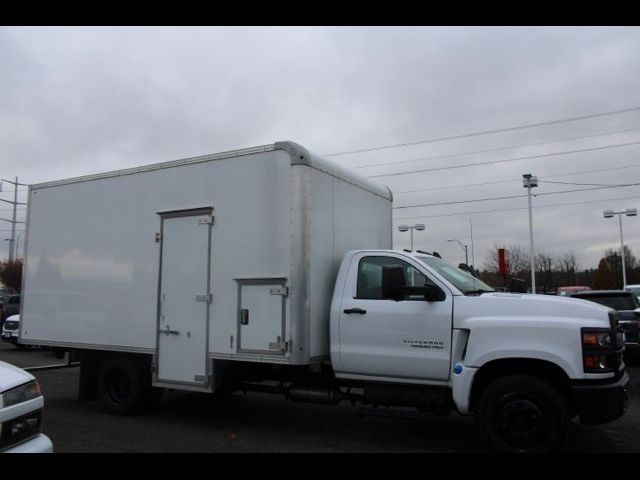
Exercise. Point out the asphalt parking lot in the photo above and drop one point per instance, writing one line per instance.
(192, 422)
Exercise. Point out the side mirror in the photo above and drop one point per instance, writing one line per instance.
(433, 293)
(395, 288)
(393, 283)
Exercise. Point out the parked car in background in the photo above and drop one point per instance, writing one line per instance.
(635, 289)
(10, 307)
(564, 291)
(626, 304)
(21, 404)
(10, 329)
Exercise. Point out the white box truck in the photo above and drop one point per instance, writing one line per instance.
(270, 269)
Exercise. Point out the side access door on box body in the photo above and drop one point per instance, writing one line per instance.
(184, 299)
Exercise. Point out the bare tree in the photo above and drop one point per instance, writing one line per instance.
(11, 274)
(544, 265)
(518, 258)
(567, 264)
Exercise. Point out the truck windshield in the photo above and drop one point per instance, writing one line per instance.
(463, 281)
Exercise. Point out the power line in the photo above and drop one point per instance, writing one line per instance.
(485, 132)
(458, 202)
(515, 196)
(517, 208)
(496, 149)
(515, 159)
(572, 183)
(516, 179)
(456, 186)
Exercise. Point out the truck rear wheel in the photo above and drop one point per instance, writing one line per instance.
(523, 413)
(124, 387)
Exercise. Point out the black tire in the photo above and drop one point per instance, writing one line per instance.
(58, 352)
(523, 413)
(124, 387)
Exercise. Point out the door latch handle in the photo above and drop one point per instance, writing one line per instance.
(355, 310)
(166, 331)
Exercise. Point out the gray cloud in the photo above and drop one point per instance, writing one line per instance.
(77, 101)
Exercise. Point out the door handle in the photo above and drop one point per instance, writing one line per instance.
(166, 331)
(355, 310)
(244, 316)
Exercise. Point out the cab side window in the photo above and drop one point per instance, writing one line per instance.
(370, 277)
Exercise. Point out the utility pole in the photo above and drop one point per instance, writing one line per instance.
(13, 221)
(473, 258)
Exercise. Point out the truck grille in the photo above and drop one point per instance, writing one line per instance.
(618, 334)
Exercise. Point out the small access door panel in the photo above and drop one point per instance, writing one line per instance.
(261, 316)
(184, 300)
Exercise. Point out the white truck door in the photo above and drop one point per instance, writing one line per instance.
(184, 299)
(409, 339)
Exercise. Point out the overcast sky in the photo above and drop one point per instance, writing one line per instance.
(76, 101)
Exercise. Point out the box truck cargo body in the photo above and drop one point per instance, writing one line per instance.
(226, 256)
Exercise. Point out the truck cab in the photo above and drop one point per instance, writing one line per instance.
(523, 364)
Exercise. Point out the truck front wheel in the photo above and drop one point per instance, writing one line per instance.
(523, 413)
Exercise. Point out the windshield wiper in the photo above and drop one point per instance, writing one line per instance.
(480, 291)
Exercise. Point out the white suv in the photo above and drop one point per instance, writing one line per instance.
(21, 406)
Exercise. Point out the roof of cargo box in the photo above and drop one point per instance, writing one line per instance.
(299, 156)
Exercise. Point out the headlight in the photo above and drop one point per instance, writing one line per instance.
(596, 339)
(599, 350)
(20, 394)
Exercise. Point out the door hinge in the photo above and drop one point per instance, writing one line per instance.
(284, 291)
(207, 297)
(158, 237)
(206, 379)
(278, 345)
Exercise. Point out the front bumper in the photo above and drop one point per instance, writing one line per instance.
(10, 337)
(38, 444)
(601, 402)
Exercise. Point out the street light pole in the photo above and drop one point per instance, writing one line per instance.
(529, 182)
(464, 247)
(629, 212)
(411, 228)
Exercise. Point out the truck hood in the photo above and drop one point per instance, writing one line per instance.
(515, 308)
(11, 376)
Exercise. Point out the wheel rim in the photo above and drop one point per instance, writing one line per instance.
(521, 421)
(118, 386)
